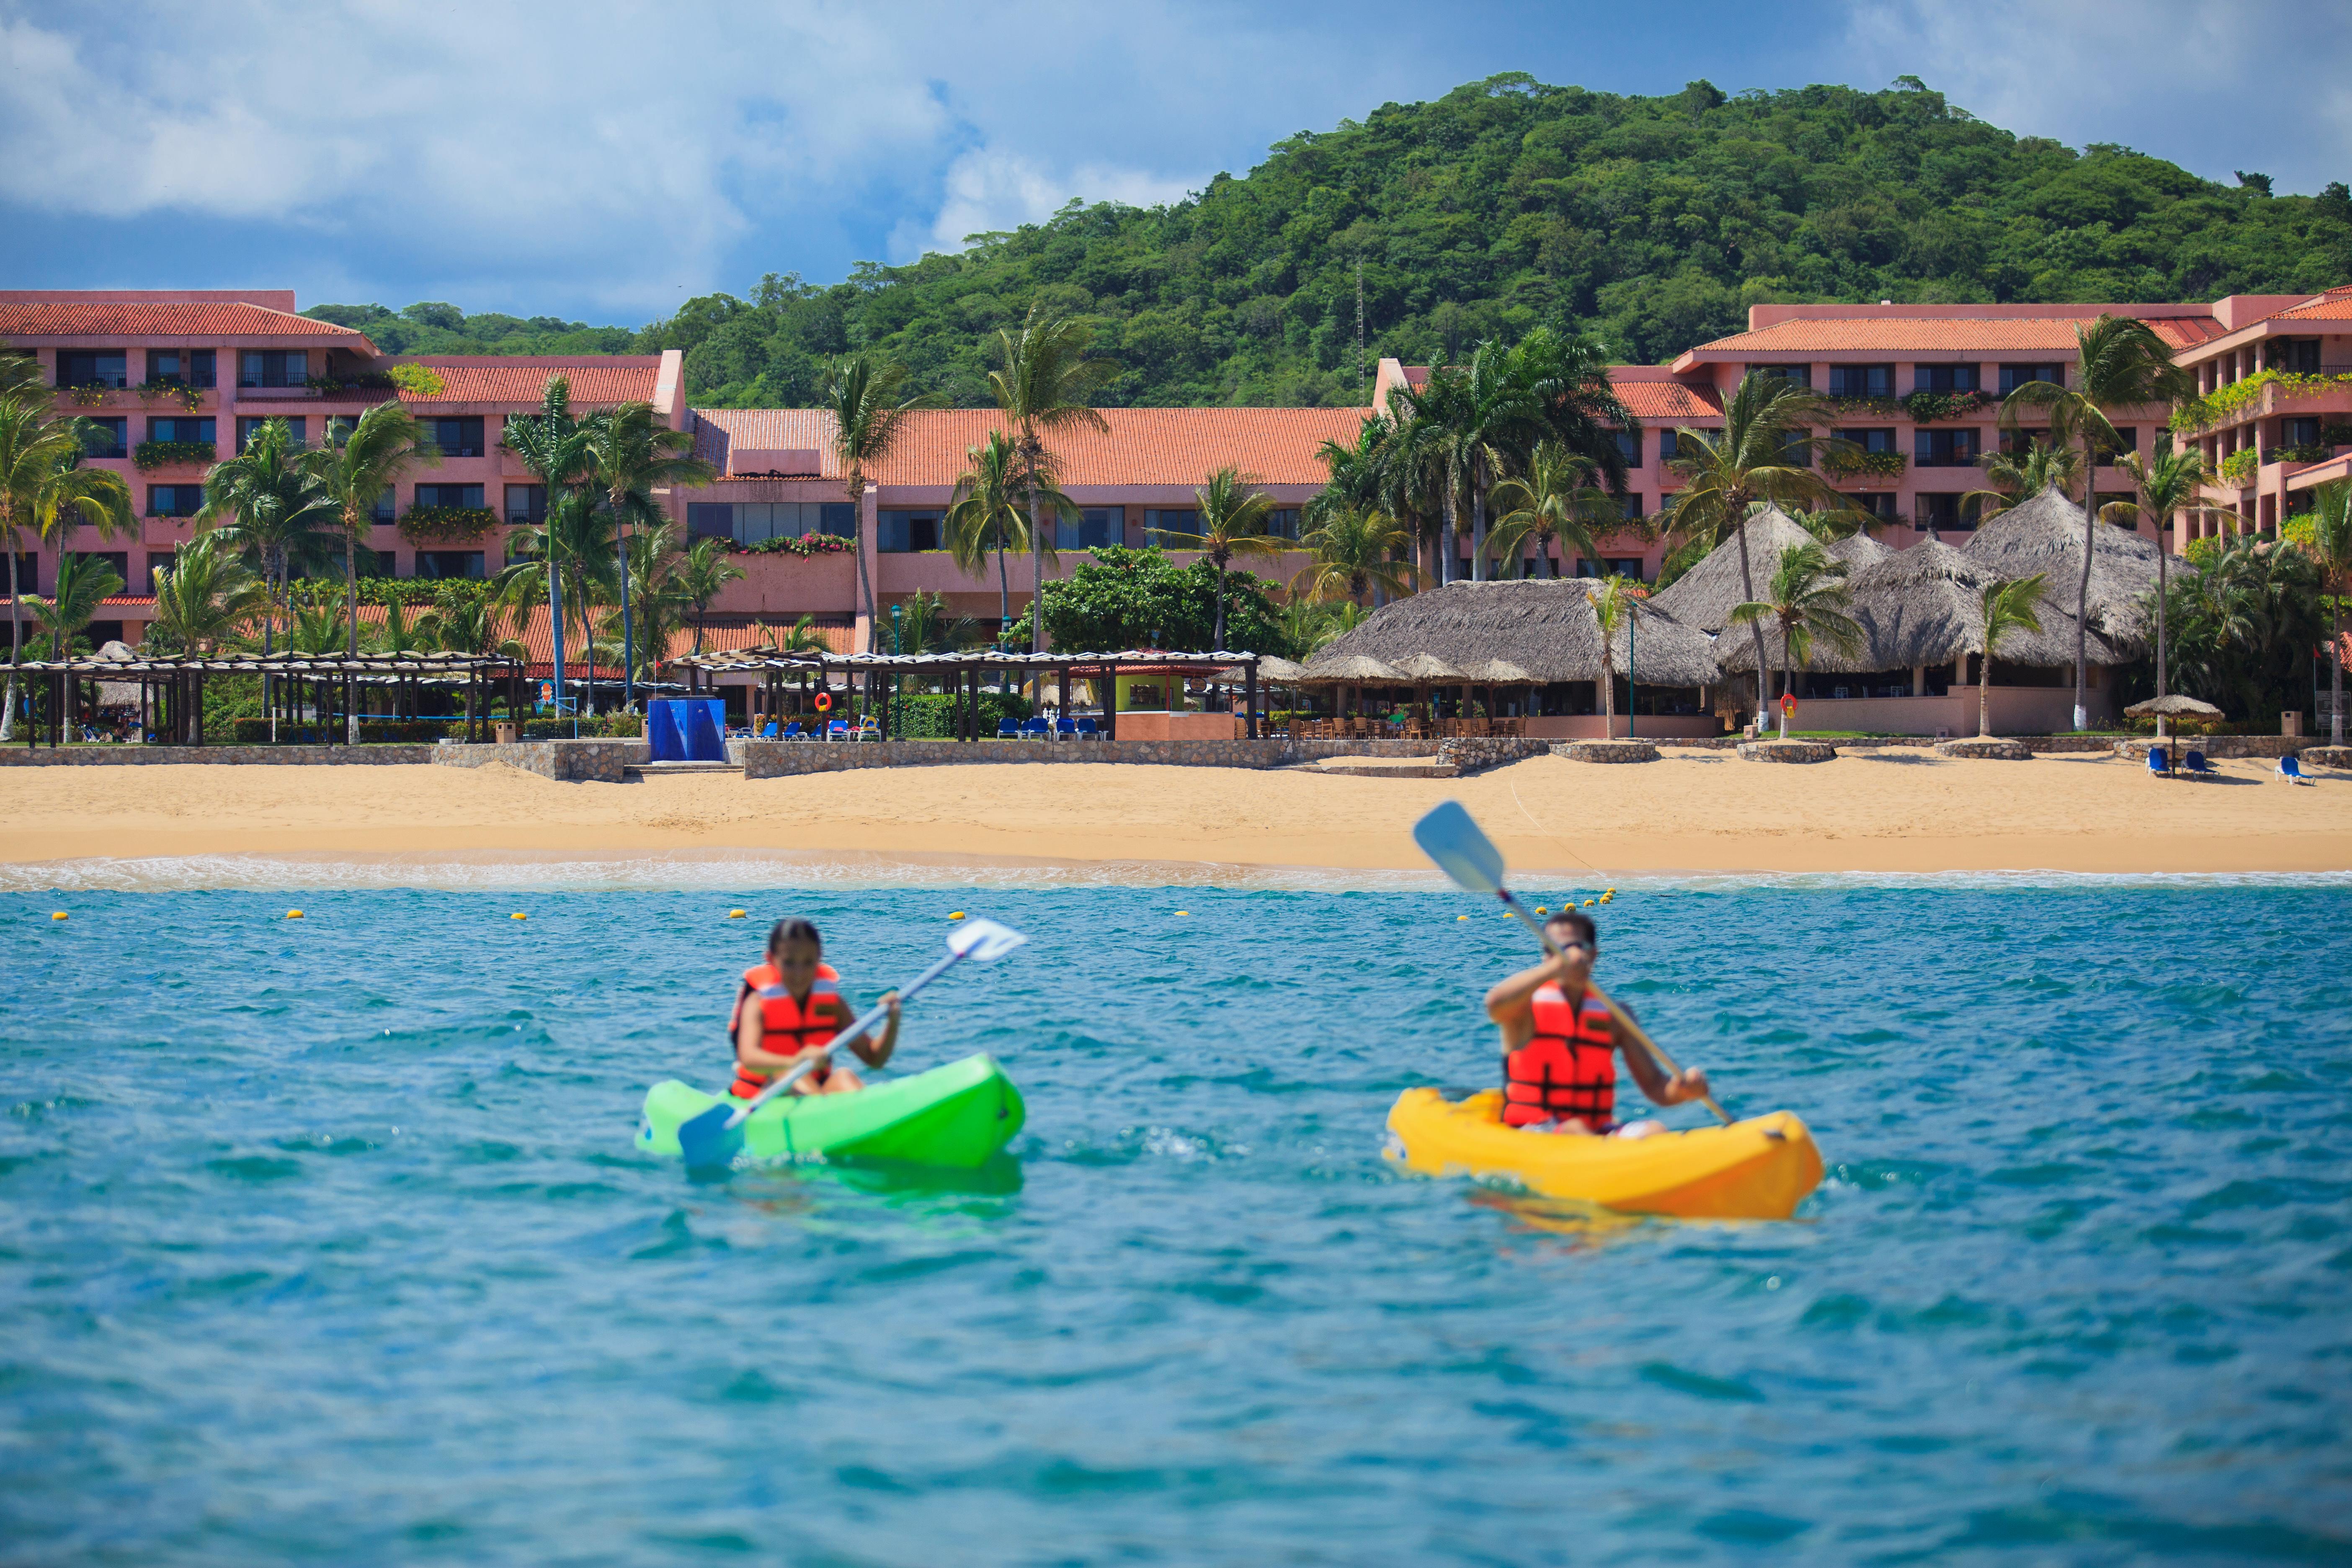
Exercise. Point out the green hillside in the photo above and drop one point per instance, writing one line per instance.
(1653, 221)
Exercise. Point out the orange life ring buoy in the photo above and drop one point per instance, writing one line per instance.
(824, 701)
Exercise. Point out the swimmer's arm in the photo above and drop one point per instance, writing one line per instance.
(1510, 998)
(1661, 1089)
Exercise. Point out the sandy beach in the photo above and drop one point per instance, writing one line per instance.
(1898, 810)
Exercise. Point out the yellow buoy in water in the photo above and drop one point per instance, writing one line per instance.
(518, 915)
(293, 914)
(58, 915)
(1183, 911)
(957, 916)
(1587, 904)
(1541, 910)
(734, 914)
(1460, 917)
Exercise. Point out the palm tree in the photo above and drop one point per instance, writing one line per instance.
(2331, 552)
(989, 511)
(1806, 598)
(2014, 479)
(1307, 625)
(205, 595)
(1614, 604)
(1756, 457)
(925, 627)
(2119, 362)
(1352, 553)
(634, 455)
(558, 450)
(467, 619)
(355, 465)
(2171, 484)
(1555, 503)
(1233, 512)
(650, 585)
(45, 491)
(266, 507)
(861, 391)
(702, 573)
(318, 626)
(82, 582)
(575, 542)
(2009, 606)
(1042, 387)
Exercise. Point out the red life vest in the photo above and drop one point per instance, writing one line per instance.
(1569, 1069)
(808, 1024)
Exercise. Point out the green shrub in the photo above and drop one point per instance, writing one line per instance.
(929, 716)
(157, 454)
(602, 727)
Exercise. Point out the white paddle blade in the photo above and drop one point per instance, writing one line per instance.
(981, 941)
(1450, 837)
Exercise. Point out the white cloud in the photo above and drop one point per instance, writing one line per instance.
(2213, 85)
(989, 189)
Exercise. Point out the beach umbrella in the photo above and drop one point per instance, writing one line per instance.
(2171, 705)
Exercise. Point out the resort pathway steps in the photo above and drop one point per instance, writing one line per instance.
(667, 770)
(1385, 767)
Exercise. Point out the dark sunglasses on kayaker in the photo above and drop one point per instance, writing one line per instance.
(1576, 941)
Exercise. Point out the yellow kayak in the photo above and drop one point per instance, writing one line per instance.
(1757, 1169)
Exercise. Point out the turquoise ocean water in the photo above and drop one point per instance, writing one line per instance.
(323, 1241)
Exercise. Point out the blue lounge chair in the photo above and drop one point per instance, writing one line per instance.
(1065, 727)
(1036, 728)
(1087, 731)
(837, 731)
(1006, 729)
(2290, 768)
(793, 731)
(769, 733)
(2159, 761)
(2195, 762)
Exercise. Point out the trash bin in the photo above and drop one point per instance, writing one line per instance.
(504, 734)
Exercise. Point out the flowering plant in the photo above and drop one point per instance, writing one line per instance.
(805, 545)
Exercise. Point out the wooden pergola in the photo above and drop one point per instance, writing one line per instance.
(171, 686)
(965, 671)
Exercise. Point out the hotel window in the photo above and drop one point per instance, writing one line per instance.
(1666, 449)
(1879, 504)
(2298, 356)
(29, 575)
(1802, 375)
(2300, 433)
(1873, 440)
(456, 437)
(1943, 378)
(180, 367)
(1160, 525)
(1622, 566)
(158, 561)
(272, 367)
(704, 519)
(91, 367)
(1629, 447)
(2124, 444)
(751, 521)
(527, 503)
(1946, 512)
(907, 532)
(116, 561)
(248, 425)
(1629, 506)
(175, 500)
(1282, 522)
(105, 437)
(180, 428)
(1945, 448)
(2013, 376)
(1861, 380)
(448, 495)
(1095, 527)
(384, 503)
(465, 564)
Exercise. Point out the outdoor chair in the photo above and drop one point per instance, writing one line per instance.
(1038, 728)
(1088, 729)
(793, 731)
(2159, 761)
(771, 732)
(1065, 727)
(2290, 770)
(837, 731)
(2195, 762)
(1006, 729)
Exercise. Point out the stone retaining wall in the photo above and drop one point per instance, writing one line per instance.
(1988, 750)
(1605, 751)
(1788, 752)
(781, 759)
(392, 755)
(2327, 756)
(568, 761)
(2218, 746)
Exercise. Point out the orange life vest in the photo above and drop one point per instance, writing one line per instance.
(1569, 1069)
(808, 1024)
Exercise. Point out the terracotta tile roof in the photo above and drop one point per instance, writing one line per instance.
(228, 318)
(2336, 305)
(596, 379)
(1909, 334)
(1666, 401)
(1142, 446)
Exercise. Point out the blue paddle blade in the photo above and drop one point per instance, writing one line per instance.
(707, 1142)
(1449, 836)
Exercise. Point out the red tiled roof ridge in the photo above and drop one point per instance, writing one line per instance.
(162, 318)
(526, 361)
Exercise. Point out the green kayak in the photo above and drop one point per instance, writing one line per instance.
(957, 1115)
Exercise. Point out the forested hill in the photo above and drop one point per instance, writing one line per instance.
(1653, 221)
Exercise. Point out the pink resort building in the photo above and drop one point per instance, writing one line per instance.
(176, 378)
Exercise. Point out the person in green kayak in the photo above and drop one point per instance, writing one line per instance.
(798, 1010)
(1560, 1044)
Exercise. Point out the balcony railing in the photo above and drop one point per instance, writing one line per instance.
(162, 454)
(1863, 465)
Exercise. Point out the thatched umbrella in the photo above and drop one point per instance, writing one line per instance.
(1274, 670)
(1428, 669)
(1543, 628)
(2171, 705)
(1858, 550)
(1330, 669)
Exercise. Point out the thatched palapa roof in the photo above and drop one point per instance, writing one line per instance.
(1338, 666)
(2043, 533)
(1703, 596)
(1546, 627)
(1924, 606)
(2172, 705)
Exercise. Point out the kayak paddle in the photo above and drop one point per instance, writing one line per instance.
(712, 1140)
(1465, 853)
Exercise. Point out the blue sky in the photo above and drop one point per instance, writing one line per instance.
(606, 160)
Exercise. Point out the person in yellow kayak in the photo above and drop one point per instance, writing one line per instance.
(1560, 1046)
(797, 1009)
